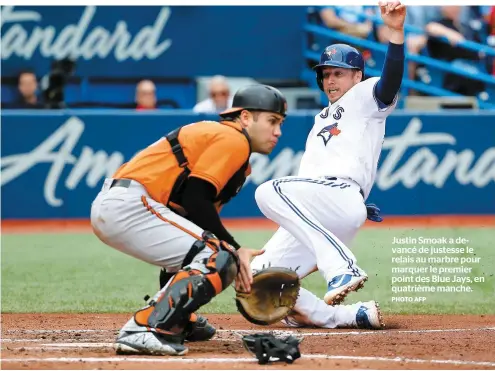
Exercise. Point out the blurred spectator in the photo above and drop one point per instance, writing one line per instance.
(476, 20)
(418, 17)
(472, 19)
(490, 20)
(455, 31)
(346, 20)
(27, 86)
(145, 95)
(220, 97)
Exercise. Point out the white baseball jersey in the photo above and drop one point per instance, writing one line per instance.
(347, 137)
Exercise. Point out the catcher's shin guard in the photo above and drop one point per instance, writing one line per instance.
(191, 288)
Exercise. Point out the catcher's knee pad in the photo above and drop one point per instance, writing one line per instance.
(191, 288)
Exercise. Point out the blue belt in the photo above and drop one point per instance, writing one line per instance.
(335, 178)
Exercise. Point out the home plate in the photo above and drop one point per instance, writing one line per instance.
(79, 345)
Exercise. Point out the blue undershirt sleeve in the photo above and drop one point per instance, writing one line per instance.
(393, 70)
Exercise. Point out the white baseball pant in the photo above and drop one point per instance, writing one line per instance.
(318, 217)
(130, 221)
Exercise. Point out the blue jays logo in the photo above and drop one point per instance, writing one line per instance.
(331, 52)
(328, 132)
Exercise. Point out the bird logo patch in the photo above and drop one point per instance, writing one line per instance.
(328, 132)
(331, 52)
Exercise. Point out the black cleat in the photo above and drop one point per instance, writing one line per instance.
(199, 330)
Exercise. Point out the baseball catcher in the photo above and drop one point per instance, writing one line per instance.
(162, 207)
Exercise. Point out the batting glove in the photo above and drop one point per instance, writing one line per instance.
(373, 213)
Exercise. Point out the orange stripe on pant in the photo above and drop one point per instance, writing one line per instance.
(214, 278)
(161, 217)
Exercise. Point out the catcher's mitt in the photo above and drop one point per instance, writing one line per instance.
(273, 294)
(268, 348)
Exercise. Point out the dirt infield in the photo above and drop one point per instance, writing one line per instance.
(64, 341)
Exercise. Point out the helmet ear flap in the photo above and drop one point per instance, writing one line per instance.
(319, 79)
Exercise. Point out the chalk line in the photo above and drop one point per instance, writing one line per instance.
(323, 332)
(247, 360)
(13, 331)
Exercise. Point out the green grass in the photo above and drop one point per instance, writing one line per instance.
(77, 273)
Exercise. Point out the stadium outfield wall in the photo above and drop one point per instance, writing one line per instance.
(54, 162)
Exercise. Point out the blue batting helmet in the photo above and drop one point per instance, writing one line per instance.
(339, 55)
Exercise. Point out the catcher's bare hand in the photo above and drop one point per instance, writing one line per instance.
(244, 277)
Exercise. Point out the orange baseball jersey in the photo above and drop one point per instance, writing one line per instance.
(215, 152)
